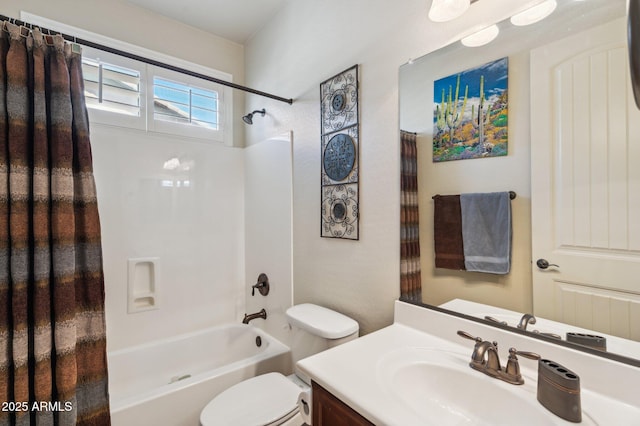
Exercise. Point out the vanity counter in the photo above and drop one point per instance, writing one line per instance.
(358, 374)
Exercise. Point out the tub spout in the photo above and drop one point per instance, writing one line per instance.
(248, 317)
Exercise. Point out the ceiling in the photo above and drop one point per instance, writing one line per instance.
(235, 20)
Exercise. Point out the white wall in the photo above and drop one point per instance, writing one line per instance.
(306, 43)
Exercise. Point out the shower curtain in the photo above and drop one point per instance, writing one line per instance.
(53, 367)
(410, 278)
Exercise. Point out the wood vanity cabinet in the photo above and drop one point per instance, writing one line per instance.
(330, 411)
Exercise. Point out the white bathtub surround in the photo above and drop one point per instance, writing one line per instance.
(358, 372)
(268, 249)
(168, 382)
(189, 217)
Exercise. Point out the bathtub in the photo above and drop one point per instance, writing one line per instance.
(168, 382)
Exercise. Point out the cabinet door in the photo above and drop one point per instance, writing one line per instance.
(330, 411)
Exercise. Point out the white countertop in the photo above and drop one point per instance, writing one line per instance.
(351, 372)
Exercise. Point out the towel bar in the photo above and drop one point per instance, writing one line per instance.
(512, 195)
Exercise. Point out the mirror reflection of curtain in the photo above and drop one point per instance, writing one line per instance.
(410, 277)
(52, 326)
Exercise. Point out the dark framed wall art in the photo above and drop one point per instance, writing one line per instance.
(340, 144)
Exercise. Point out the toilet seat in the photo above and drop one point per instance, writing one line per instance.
(268, 399)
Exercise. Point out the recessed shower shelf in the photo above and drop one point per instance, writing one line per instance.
(142, 284)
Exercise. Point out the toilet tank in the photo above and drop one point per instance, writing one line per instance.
(316, 329)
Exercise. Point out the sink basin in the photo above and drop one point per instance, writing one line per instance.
(440, 388)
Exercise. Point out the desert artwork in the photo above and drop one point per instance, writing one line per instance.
(470, 113)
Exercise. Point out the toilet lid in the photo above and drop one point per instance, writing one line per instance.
(261, 400)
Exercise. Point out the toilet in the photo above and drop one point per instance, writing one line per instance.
(272, 399)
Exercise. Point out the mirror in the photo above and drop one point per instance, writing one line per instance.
(515, 291)
(633, 28)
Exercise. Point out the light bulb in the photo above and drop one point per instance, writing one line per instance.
(534, 14)
(446, 10)
(481, 37)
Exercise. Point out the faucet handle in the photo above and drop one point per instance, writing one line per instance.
(530, 355)
(469, 336)
(512, 370)
(492, 319)
(553, 335)
(262, 285)
(253, 288)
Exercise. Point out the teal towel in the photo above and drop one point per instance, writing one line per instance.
(486, 232)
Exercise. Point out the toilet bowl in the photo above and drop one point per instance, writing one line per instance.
(272, 399)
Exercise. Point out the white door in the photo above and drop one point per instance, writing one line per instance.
(585, 153)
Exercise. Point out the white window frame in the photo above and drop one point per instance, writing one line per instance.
(111, 118)
(146, 121)
(161, 126)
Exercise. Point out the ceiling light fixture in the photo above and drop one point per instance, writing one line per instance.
(446, 10)
(534, 14)
(482, 37)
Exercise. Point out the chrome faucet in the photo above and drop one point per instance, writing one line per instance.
(248, 317)
(486, 360)
(525, 321)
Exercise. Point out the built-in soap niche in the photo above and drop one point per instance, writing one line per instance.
(142, 294)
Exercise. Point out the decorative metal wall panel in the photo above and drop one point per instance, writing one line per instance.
(339, 98)
(340, 157)
(340, 142)
(340, 211)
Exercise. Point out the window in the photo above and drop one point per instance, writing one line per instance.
(114, 89)
(111, 88)
(126, 93)
(180, 103)
(185, 105)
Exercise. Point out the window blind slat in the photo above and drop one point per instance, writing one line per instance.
(117, 94)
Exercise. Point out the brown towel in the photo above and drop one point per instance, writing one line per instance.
(447, 230)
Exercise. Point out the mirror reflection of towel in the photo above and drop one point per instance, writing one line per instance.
(447, 230)
(486, 232)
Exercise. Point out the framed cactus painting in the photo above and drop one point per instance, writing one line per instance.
(470, 113)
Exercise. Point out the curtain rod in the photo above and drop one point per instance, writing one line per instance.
(146, 60)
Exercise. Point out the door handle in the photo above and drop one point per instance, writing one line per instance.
(544, 264)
